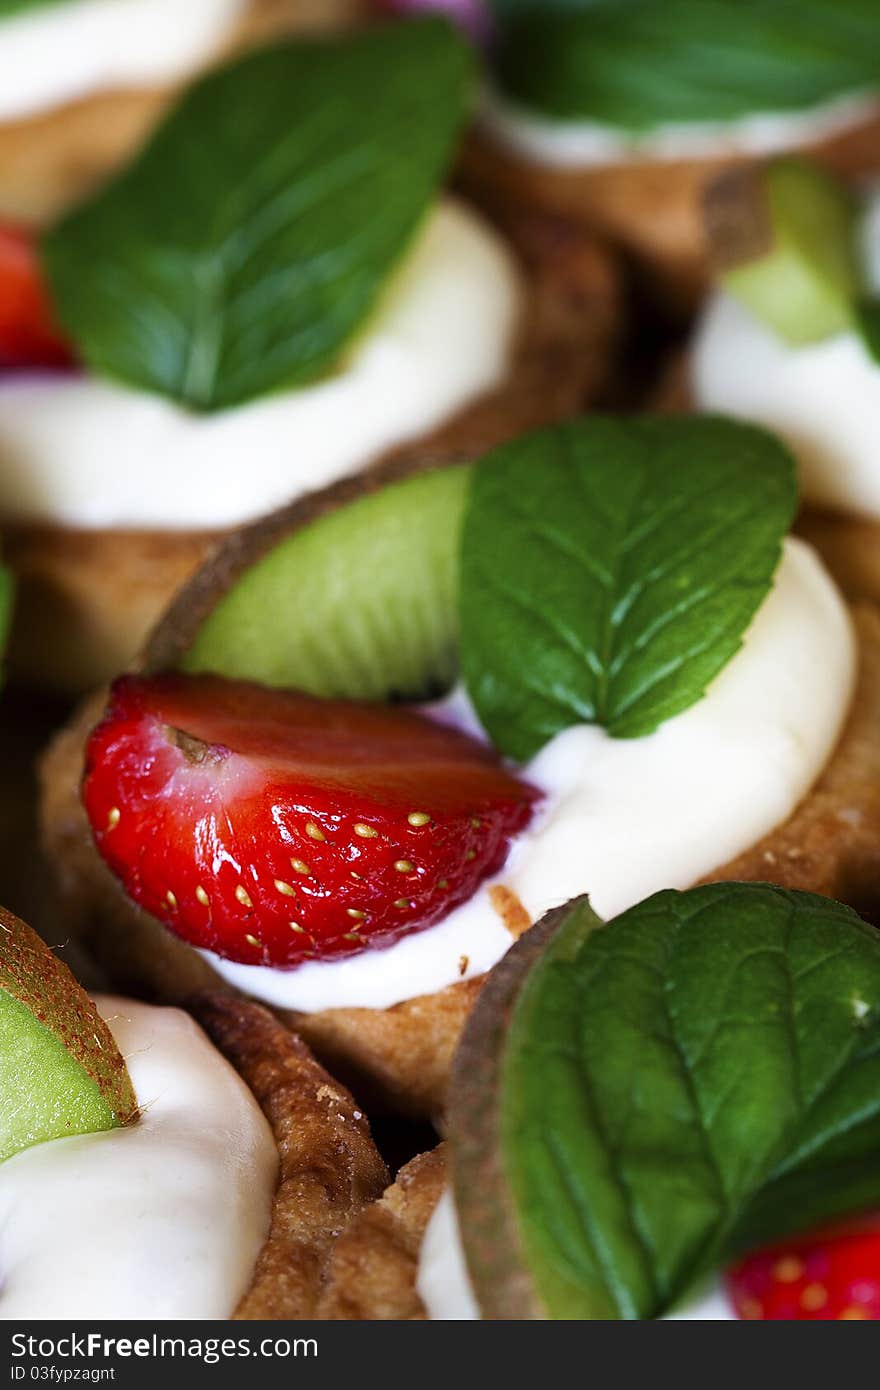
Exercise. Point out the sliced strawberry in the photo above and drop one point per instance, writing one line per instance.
(271, 827)
(29, 336)
(825, 1277)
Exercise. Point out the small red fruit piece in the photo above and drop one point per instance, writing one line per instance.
(273, 828)
(29, 336)
(825, 1277)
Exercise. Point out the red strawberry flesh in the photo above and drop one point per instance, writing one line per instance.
(29, 336)
(274, 828)
(830, 1276)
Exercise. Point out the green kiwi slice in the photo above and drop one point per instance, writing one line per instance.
(61, 1072)
(359, 601)
(783, 238)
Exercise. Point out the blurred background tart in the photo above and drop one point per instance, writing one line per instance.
(787, 338)
(617, 113)
(278, 347)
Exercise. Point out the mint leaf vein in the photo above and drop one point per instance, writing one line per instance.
(689, 1081)
(253, 236)
(626, 558)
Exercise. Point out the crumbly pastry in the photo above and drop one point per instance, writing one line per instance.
(400, 1056)
(372, 1271)
(98, 592)
(850, 549)
(329, 1166)
(653, 208)
(54, 158)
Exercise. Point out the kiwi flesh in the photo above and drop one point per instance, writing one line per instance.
(61, 1072)
(359, 602)
(784, 240)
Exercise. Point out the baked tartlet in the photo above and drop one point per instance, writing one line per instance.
(605, 113)
(149, 1172)
(637, 1105)
(773, 775)
(437, 333)
(67, 125)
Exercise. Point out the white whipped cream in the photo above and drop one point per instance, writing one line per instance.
(443, 1284)
(442, 1280)
(823, 399)
(80, 451)
(575, 143)
(623, 818)
(163, 1219)
(74, 48)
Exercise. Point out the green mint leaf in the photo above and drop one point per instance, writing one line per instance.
(8, 8)
(610, 568)
(698, 1076)
(254, 235)
(636, 64)
(868, 325)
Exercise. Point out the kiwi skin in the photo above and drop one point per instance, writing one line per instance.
(504, 1286)
(62, 1072)
(193, 634)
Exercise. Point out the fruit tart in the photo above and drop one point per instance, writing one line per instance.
(257, 308)
(381, 734)
(617, 111)
(672, 1114)
(85, 81)
(156, 1167)
(790, 338)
